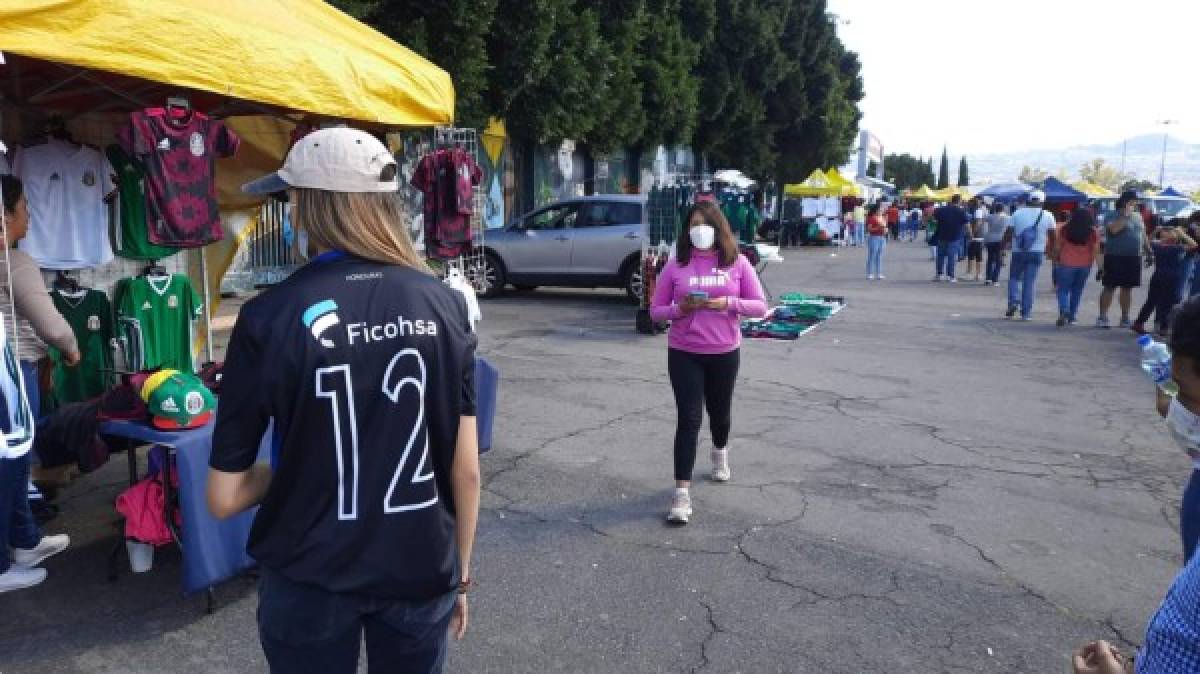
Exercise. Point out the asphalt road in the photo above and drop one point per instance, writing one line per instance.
(918, 486)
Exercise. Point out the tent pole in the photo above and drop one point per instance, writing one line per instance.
(208, 312)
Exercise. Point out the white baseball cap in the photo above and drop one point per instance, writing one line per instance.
(335, 160)
(1037, 195)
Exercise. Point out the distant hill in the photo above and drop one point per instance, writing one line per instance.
(1142, 156)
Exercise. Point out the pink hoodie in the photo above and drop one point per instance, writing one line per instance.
(705, 331)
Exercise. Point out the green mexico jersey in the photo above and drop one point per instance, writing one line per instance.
(165, 308)
(90, 316)
(132, 240)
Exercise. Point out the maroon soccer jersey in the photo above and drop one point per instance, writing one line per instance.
(179, 156)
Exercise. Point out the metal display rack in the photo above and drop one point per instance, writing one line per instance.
(670, 194)
(470, 264)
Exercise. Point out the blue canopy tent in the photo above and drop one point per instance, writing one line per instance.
(1172, 192)
(1059, 192)
(1006, 192)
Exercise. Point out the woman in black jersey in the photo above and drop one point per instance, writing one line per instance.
(362, 365)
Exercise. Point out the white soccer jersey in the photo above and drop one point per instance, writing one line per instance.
(65, 186)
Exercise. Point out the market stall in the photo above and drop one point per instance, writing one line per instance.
(812, 210)
(1061, 196)
(157, 137)
(1006, 193)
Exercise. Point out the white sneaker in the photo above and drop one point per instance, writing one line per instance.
(681, 507)
(18, 578)
(880, 277)
(720, 462)
(953, 280)
(46, 548)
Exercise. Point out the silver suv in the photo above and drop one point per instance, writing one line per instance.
(587, 242)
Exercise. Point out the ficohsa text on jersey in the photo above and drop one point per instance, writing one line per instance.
(396, 329)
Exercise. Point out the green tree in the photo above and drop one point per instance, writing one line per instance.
(550, 77)
(670, 89)
(1099, 173)
(1138, 185)
(450, 33)
(621, 117)
(1032, 175)
(943, 180)
(905, 171)
(930, 178)
(964, 177)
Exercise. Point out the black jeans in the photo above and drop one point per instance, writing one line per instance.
(1161, 298)
(994, 255)
(304, 628)
(701, 381)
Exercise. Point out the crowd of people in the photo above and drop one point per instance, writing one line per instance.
(1032, 233)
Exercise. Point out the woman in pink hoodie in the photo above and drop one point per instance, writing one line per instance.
(704, 291)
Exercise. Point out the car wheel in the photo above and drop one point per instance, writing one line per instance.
(491, 276)
(633, 281)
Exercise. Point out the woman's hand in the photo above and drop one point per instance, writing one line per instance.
(458, 621)
(718, 304)
(688, 305)
(72, 359)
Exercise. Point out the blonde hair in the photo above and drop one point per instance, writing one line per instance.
(370, 225)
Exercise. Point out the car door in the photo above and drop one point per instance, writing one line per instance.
(540, 244)
(607, 233)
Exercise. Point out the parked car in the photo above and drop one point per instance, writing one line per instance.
(587, 242)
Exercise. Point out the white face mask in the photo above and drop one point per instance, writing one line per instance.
(703, 236)
(1185, 428)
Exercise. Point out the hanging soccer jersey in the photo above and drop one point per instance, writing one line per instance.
(90, 316)
(164, 308)
(179, 157)
(132, 239)
(65, 187)
(446, 179)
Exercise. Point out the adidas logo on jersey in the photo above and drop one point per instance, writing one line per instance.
(146, 306)
(164, 144)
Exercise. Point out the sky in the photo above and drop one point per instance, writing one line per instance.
(987, 76)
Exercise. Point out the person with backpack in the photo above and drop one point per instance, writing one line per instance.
(1031, 231)
(1074, 254)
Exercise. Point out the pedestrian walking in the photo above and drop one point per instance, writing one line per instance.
(993, 241)
(976, 233)
(877, 231)
(1032, 231)
(914, 222)
(931, 237)
(860, 223)
(1075, 251)
(952, 221)
(1125, 243)
(704, 291)
(893, 221)
(1171, 245)
(364, 361)
(23, 546)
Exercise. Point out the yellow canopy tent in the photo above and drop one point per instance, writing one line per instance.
(923, 194)
(946, 193)
(1093, 190)
(815, 185)
(247, 62)
(847, 187)
(292, 54)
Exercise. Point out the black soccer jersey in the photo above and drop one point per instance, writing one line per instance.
(366, 369)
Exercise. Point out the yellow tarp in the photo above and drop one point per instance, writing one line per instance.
(815, 185)
(848, 187)
(296, 54)
(1093, 190)
(923, 194)
(946, 193)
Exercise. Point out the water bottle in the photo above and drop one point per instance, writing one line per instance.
(1156, 362)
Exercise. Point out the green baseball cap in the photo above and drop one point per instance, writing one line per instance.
(177, 401)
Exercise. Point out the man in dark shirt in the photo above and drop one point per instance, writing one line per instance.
(951, 222)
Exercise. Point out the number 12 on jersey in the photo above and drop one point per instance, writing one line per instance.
(411, 487)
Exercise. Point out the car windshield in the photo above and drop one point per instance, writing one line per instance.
(1169, 208)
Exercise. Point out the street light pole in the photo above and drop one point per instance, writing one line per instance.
(1162, 167)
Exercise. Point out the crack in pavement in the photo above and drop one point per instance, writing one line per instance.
(713, 630)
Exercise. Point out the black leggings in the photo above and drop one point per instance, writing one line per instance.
(1161, 298)
(701, 381)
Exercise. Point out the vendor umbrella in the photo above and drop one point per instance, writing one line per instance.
(291, 54)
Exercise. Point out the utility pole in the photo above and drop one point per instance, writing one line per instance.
(1162, 167)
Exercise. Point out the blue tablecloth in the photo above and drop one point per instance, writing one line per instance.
(213, 550)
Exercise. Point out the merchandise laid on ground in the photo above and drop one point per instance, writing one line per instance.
(795, 316)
